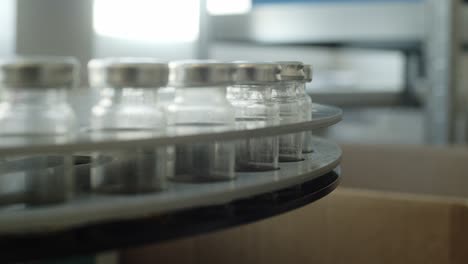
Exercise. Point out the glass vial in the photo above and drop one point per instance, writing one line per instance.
(306, 107)
(34, 108)
(284, 94)
(165, 98)
(254, 107)
(128, 105)
(200, 105)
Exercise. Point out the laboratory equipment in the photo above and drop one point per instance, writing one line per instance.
(33, 94)
(128, 104)
(285, 95)
(254, 107)
(200, 105)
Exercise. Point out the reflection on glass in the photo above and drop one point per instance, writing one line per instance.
(198, 110)
(34, 109)
(128, 108)
(254, 108)
(305, 106)
(290, 146)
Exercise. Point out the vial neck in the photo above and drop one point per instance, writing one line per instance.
(252, 92)
(284, 89)
(35, 96)
(201, 95)
(130, 96)
(300, 88)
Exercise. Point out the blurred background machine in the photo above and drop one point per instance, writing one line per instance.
(394, 65)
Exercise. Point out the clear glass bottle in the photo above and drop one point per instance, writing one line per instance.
(284, 94)
(200, 105)
(306, 107)
(34, 108)
(254, 107)
(127, 106)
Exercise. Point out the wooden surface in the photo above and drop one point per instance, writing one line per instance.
(413, 211)
(348, 226)
(405, 168)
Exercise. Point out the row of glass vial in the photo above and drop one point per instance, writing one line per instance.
(209, 96)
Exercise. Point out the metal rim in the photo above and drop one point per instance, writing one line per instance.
(108, 236)
(323, 116)
(179, 196)
(256, 73)
(308, 72)
(291, 70)
(200, 73)
(128, 72)
(39, 72)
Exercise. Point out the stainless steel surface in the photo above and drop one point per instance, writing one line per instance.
(39, 72)
(387, 125)
(323, 116)
(200, 73)
(367, 99)
(202, 46)
(393, 22)
(429, 29)
(128, 72)
(291, 70)
(308, 72)
(443, 48)
(8, 13)
(54, 27)
(256, 73)
(100, 208)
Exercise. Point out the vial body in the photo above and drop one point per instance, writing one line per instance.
(130, 172)
(27, 115)
(165, 98)
(254, 108)
(305, 103)
(199, 110)
(123, 111)
(36, 113)
(290, 145)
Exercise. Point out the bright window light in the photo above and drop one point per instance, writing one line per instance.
(228, 7)
(154, 21)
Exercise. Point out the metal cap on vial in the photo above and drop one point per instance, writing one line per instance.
(128, 72)
(39, 72)
(291, 70)
(199, 73)
(256, 73)
(308, 72)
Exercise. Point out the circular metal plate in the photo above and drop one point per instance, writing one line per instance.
(114, 235)
(180, 196)
(323, 116)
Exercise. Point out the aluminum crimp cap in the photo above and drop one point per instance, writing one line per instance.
(291, 70)
(256, 72)
(200, 73)
(308, 72)
(128, 72)
(39, 72)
